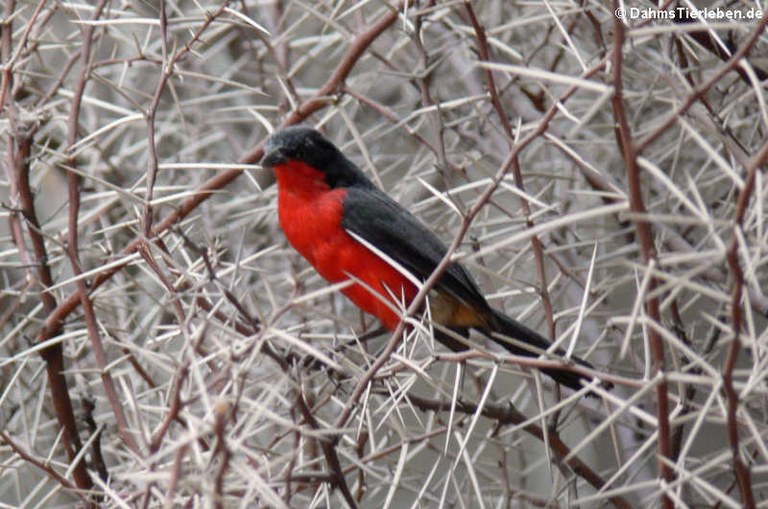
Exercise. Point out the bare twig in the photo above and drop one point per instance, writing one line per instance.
(647, 244)
(18, 161)
(741, 471)
(73, 244)
(167, 300)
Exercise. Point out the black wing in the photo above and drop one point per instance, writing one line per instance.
(384, 223)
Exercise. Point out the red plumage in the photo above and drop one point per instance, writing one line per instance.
(311, 215)
(325, 203)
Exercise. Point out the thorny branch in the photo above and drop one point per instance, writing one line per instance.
(648, 247)
(19, 150)
(741, 471)
(217, 362)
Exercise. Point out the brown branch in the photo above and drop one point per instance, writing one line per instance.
(167, 70)
(435, 115)
(485, 56)
(356, 49)
(706, 40)
(97, 461)
(421, 296)
(538, 251)
(702, 89)
(538, 363)
(221, 414)
(508, 415)
(19, 151)
(9, 59)
(328, 446)
(741, 471)
(388, 114)
(177, 471)
(182, 372)
(73, 243)
(42, 464)
(647, 245)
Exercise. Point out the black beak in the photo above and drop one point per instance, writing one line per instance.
(273, 158)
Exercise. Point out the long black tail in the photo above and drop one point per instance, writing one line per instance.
(520, 340)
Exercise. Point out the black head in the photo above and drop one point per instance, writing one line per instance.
(305, 144)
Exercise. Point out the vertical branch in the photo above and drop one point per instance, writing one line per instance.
(169, 63)
(435, 117)
(221, 450)
(42, 464)
(538, 251)
(482, 201)
(732, 256)
(328, 446)
(218, 181)
(20, 141)
(73, 241)
(648, 249)
(702, 89)
(165, 72)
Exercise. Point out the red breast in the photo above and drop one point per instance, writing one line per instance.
(311, 213)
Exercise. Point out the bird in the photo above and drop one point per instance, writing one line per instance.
(350, 230)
